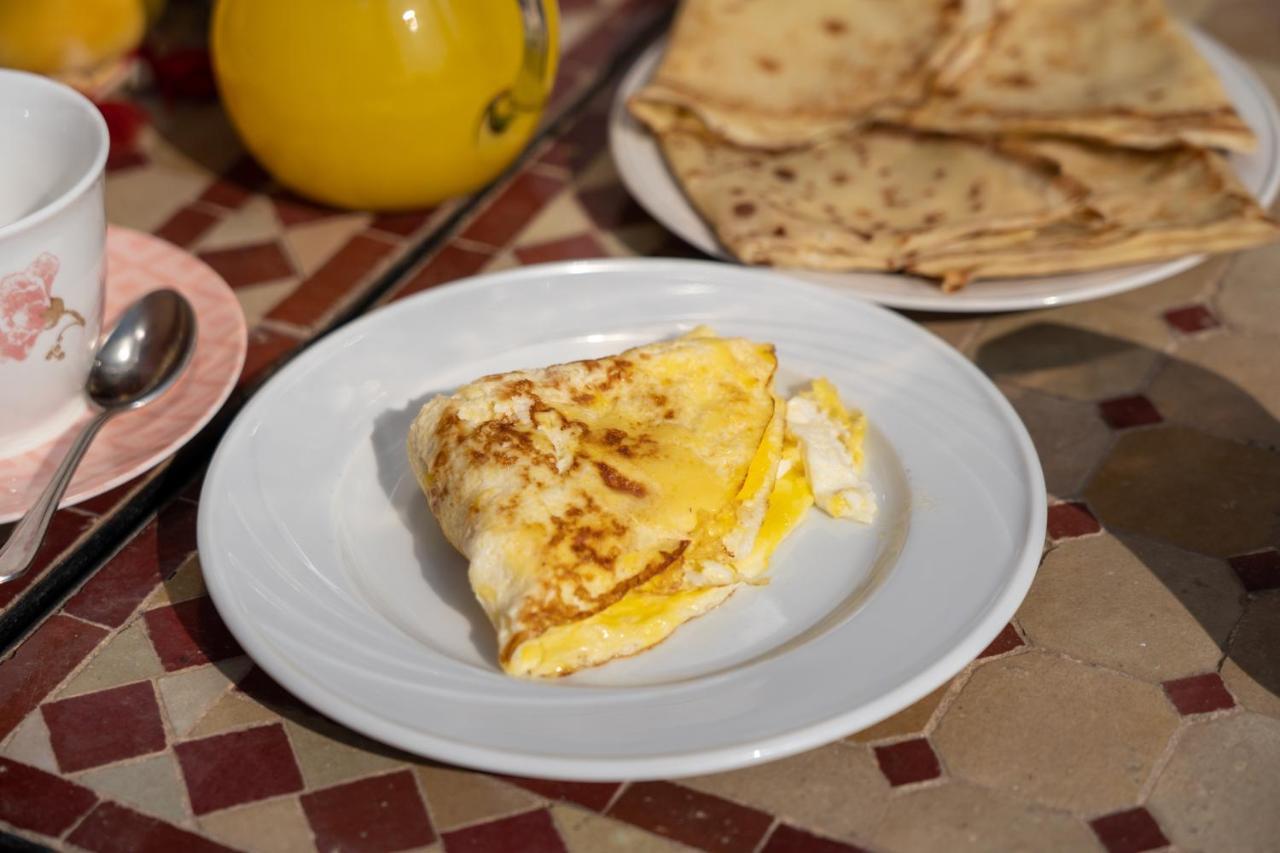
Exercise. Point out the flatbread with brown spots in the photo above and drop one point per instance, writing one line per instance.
(1149, 205)
(867, 199)
(776, 73)
(1117, 71)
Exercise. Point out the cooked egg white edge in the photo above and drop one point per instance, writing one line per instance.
(833, 475)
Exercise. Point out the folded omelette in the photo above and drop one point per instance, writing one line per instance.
(603, 503)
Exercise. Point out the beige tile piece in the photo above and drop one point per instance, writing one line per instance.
(910, 720)
(253, 223)
(1143, 607)
(273, 826)
(127, 657)
(563, 217)
(836, 790)
(1070, 437)
(1223, 383)
(585, 832)
(232, 711)
(145, 198)
(187, 695)
(258, 300)
(1221, 788)
(647, 239)
(958, 816)
(1193, 285)
(152, 785)
(312, 243)
(1085, 352)
(328, 753)
(183, 585)
(959, 330)
(1249, 297)
(504, 261)
(1197, 491)
(458, 797)
(1060, 733)
(1252, 669)
(29, 743)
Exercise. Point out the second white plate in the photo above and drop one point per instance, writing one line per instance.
(644, 172)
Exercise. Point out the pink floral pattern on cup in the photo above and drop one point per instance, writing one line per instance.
(28, 307)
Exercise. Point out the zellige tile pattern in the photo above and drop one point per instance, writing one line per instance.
(1133, 701)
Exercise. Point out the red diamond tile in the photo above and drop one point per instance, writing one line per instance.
(1006, 641)
(189, 633)
(242, 180)
(512, 209)
(40, 664)
(382, 813)
(293, 210)
(239, 767)
(129, 158)
(1191, 319)
(581, 144)
(1257, 571)
(1199, 694)
(908, 762)
(400, 224)
(1126, 412)
(788, 839)
(611, 207)
(341, 277)
(106, 726)
(246, 265)
(567, 85)
(593, 795)
(451, 262)
(564, 249)
(1069, 520)
(531, 832)
(111, 595)
(64, 530)
(692, 817)
(114, 829)
(38, 801)
(225, 193)
(1130, 831)
(266, 349)
(186, 226)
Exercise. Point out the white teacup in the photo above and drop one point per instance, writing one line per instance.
(53, 149)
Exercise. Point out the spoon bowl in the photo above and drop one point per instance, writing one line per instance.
(145, 353)
(141, 358)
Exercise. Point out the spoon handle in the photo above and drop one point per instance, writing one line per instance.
(16, 554)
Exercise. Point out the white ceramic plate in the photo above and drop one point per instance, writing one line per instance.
(325, 562)
(644, 172)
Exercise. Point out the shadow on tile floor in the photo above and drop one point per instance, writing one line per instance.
(1191, 463)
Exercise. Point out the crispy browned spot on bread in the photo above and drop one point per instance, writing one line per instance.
(619, 482)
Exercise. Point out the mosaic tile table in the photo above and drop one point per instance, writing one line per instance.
(1134, 703)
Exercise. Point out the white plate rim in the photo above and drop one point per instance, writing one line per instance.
(658, 765)
(635, 155)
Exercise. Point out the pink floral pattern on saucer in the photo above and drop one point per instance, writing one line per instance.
(131, 443)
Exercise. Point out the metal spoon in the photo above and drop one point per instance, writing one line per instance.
(141, 358)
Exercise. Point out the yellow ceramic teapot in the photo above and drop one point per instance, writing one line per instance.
(384, 104)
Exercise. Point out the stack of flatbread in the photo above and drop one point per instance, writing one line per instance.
(955, 139)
